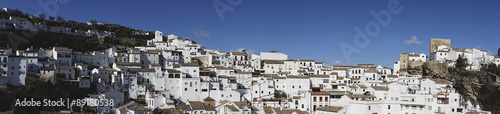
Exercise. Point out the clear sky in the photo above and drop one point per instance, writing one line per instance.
(303, 29)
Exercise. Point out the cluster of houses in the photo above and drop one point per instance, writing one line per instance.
(442, 52)
(176, 75)
(18, 23)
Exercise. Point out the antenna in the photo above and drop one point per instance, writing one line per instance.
(57, 8)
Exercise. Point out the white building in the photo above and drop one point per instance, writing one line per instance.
(17, 69)
(21, 23)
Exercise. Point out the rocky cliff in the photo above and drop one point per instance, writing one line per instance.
(479, 86)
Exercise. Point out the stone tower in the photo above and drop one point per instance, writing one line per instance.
(437, 42)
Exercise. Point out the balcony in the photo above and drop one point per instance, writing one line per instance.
(442, 101)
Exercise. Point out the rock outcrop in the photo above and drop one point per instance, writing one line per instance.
(478, 86)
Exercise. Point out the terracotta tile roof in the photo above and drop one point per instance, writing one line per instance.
(155, 64)
(361, 96)
(47, 68)
(392, 76)
(320, 93)
(65, 67)
(209, 107)
(189, 64)
(141, 70)
(458, 49)
(330, 108)
(182, 107)
(208, 99)
(290, 111)
(196, 105)
(441, 81)
(138, 108)
(283, 73)
(128, 64)
(268, 109)
(153, 51)
(273, 61)
(222, 103)
(107, 91)
(319, 76)
(380, 88)
(106, 69)
(305, 77)
(63, 52)
(254, 108)
(233, 108)
(241, 104)
(269, 75)
(296, 97)
(223, 68)
(362, 86)
(173, 71)
(239, 53)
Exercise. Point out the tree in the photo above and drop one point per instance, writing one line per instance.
(42, 16)
(284, 95)
(461, 62)
(424, 69)
(51, 18)
(60, 19)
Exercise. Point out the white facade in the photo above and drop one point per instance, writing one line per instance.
(273, 56)
(17, 69)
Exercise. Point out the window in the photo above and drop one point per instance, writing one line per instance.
(314, 99)
(369, 107)
(320, 99)
(388, 106)
(185, 89)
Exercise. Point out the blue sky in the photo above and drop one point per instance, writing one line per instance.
(300, 28)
